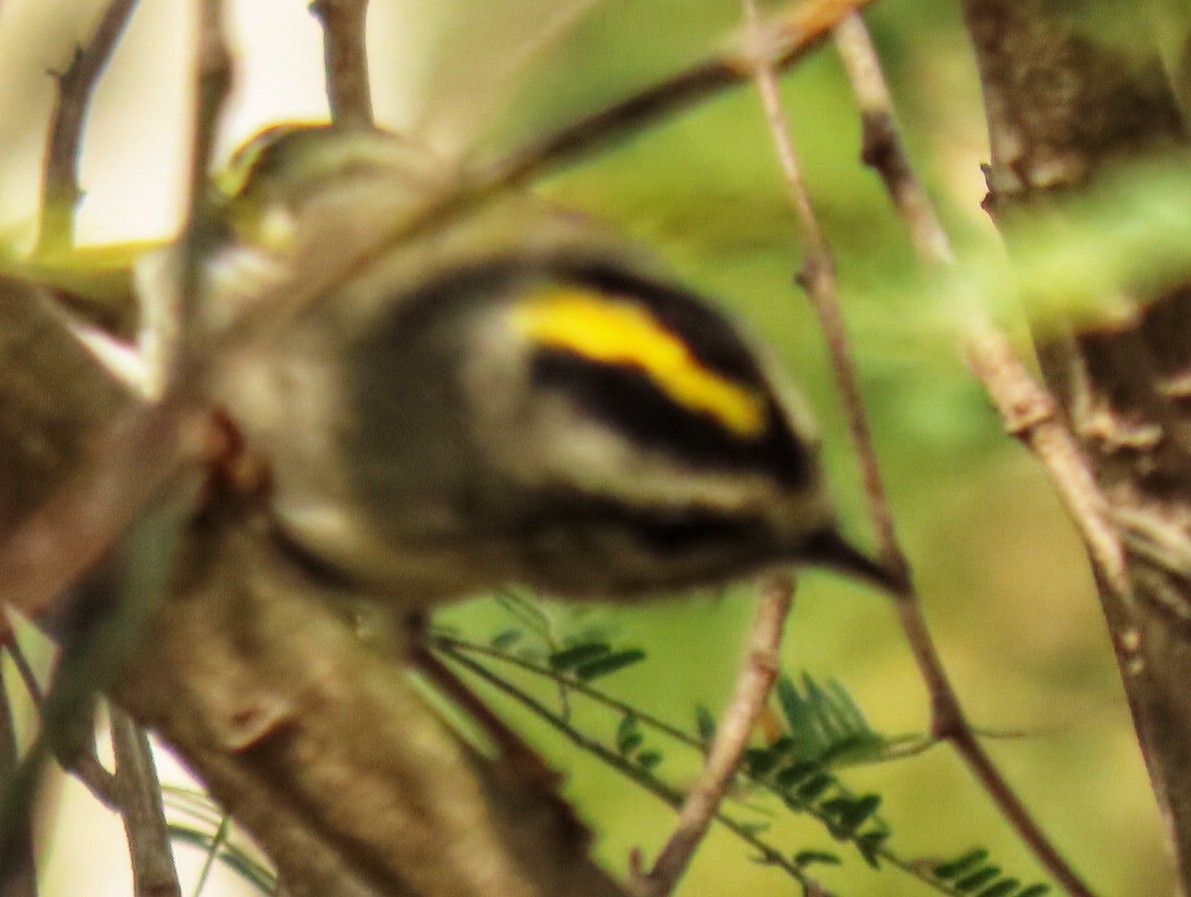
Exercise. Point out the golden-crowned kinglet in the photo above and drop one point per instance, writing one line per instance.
(508, 396)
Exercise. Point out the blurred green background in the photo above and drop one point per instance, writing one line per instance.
(1001, 573)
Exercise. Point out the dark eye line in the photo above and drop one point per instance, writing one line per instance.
(626, 398)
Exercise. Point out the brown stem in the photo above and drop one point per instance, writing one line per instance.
(345, 52)
(882, 148)
(61, 191)
(753, 684)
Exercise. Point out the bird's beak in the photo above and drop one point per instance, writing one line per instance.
(827, 548)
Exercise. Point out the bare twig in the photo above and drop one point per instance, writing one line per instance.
(818, 278)
(345, 52)
(101, 783)
(753, 684)
(1028, 411)
(61, 191)
(85, 766)
(882, 148)
(153, 871)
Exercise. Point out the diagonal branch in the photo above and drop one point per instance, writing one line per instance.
(753, 685)
(788, 38)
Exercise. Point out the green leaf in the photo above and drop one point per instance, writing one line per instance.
(796, 772)
(794, 708)
(573, 657)
(630, 744)
(754, 828)
(960, 865)
(1036, 890)
(846, 708)
(870, 843)
(805, 858)
(812, 790)
(758, 762)
(704, 725)
(1002, 888)
(822, 710)
(612, 663)
(978, 879)
(628, 735)
(851, 812)
(649, 759)
(502, 641)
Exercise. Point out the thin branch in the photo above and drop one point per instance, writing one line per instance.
(153, 870)
(514, 751)
(61, 191)
(788, 38)
(1031, 415)
(882, 147)
(345, 52)
(818, 279)
(85, 765)
(453, 646)
(92, 774)
(753, 684)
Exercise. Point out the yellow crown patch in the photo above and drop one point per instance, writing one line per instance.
(613, 331)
